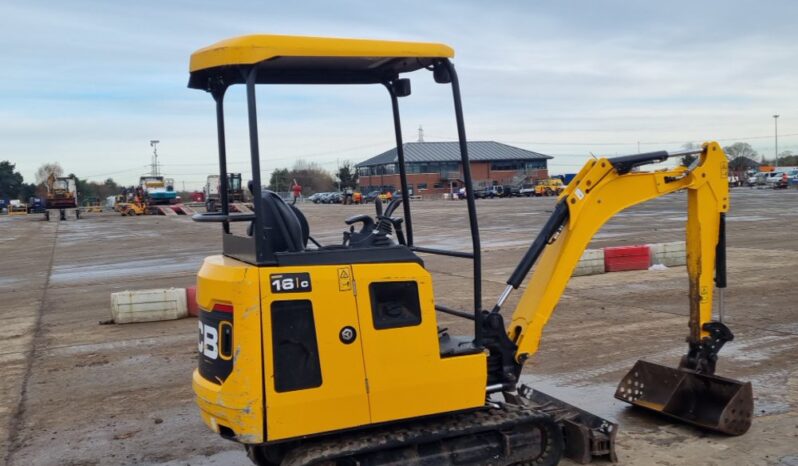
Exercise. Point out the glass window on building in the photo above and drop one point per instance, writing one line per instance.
(422, 186)
(506, 165)
(535, 164)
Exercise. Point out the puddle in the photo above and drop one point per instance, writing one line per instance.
(5, 281)
(748, 218)
(770, 394)
(760, 349)
(136, 268)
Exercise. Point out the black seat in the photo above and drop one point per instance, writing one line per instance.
(286, 228)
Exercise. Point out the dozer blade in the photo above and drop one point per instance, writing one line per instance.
(586, 435)
(708, 401)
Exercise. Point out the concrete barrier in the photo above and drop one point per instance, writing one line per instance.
(623, 258)
(148, 305)
(591, 263)
(669, 254)
(191, 301)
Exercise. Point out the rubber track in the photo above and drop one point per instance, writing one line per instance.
(423, 431)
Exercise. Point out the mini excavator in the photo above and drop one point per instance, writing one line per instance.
(315, 354)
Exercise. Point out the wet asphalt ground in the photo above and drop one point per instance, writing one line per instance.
(74, 392)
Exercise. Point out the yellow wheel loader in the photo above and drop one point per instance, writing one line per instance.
(315, 354)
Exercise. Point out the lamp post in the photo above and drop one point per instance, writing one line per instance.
(154, 145)
(776, 160)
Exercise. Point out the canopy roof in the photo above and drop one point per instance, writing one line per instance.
(310, 60)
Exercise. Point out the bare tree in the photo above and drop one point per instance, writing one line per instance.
(741, 156)
(740, 149)
(43, 172)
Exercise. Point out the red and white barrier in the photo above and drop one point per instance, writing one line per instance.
(623, 258)
(191, 301)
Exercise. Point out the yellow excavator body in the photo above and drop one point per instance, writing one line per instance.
(344, 346)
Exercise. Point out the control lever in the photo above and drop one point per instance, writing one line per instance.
(397, 228)
(367, 220)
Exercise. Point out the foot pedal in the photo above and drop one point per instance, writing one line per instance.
(586, 435)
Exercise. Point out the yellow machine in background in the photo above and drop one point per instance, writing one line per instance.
(331, 354)
(17, 208)
(62, 194)
(549, 187)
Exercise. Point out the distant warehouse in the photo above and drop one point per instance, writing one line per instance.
(434, 167)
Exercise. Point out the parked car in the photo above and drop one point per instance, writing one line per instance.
(773, 178)
(758, 178)
(784, 180)
(508, 191)
(488, 192)
(315, 197)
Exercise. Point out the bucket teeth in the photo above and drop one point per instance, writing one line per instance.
(708, 401)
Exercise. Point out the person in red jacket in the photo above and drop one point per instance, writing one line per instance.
(296, 189)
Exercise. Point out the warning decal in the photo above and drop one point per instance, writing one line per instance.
(344, 279)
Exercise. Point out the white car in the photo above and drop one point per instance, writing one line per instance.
(773, 178)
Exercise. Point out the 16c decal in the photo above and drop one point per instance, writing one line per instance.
(290, 282)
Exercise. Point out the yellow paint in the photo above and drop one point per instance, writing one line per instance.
(341, 400)
(595, 195)
(238, 402)
(407, 376)
(384, 375)
(250, 49)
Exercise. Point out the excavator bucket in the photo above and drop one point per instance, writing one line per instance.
(708, 401)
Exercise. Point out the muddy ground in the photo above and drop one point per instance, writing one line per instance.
(77, 393)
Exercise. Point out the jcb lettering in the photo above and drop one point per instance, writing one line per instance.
(208, 341)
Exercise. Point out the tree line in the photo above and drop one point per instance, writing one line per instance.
(13, 185)
(743, 157)
(313, 178)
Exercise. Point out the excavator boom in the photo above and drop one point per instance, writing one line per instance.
(603, 188)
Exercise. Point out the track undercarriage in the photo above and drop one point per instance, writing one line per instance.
(525, 430)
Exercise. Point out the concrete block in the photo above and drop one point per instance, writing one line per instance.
(591, 263)
(669, 254)
(623, 258)
(148, 305)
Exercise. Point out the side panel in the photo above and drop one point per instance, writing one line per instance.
(407, 377)
(302, 403)
(231, 397)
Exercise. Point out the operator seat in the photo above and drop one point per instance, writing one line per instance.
(286, 228)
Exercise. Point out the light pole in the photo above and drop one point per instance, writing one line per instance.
(154, 145)
(776, 123)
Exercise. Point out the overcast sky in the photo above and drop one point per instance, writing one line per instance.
(88, 84)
